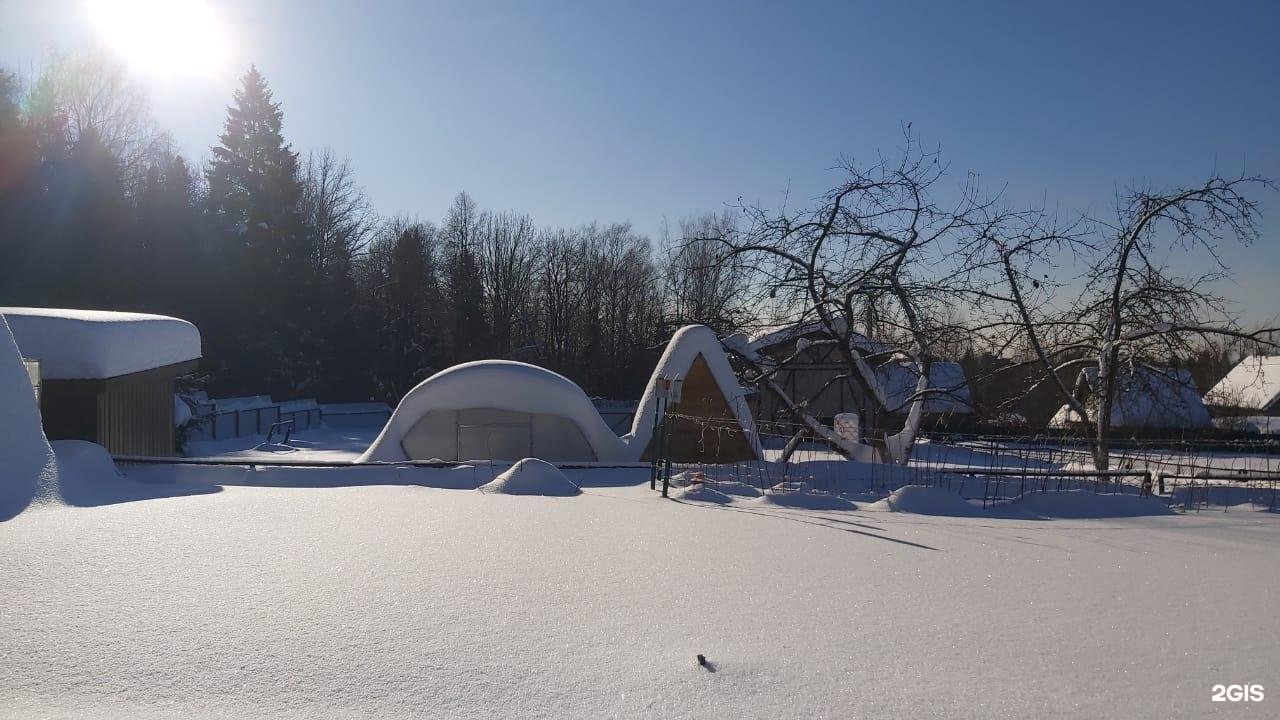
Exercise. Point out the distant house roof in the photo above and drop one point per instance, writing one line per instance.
(899, 382)
(99, 344)
(1253, 383)
(781, 334)
(1163, 398)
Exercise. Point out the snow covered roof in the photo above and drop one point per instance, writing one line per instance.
(502, 385)
(899, 382)
(98, 344)
(686, 344)
(1164, 398)
(1253, 383)
(780, 334)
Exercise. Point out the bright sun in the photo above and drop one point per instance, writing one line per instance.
(166, 37)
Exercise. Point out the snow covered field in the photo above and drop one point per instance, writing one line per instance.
(379, 600)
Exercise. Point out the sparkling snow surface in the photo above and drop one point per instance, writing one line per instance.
(377, 601)
(97, 344)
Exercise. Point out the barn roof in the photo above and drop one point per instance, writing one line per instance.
(1253, 383)
(781, 334)
(1146, 397)
(899, 382)
(99, 344)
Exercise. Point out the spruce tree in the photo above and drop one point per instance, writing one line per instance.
(254, 193)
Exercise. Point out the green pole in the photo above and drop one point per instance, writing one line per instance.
(654, 439)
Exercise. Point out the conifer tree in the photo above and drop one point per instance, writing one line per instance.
(254, 195)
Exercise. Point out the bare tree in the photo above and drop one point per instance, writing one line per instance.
(598, 306)
(336, 209)
(1134, 314)
(875, 255)
(92, 93)
(463, 281)
(700, 286)
(508, 250)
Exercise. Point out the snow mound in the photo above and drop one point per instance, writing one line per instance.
(923, 500)
(28, 469)
(1085, 504)
(532, 476)
(740, 489)
(701, 493)
(83, 461)
(806, 500)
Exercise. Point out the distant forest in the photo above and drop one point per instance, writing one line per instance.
(298, 287)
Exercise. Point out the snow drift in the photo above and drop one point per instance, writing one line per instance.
(1084, 504)
(84, 459)
(532, 476)
(28, 468)
(496, 410)
(923, 500)
(701, 493)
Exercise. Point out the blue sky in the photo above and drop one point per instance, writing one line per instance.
(638, 111)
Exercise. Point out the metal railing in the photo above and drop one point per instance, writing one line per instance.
(235, 423)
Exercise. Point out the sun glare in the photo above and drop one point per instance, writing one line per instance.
(165, 37)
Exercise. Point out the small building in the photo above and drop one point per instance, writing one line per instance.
(817, 374)
(107, 377)
(1151, 398)
(949, 388)
(711, 419)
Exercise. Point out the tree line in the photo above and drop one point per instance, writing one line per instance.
(298, 286)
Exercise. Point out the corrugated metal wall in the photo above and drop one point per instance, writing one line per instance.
(135, 415)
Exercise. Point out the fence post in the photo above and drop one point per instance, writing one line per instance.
(654, 440)
(666, 460)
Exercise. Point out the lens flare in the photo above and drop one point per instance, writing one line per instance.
(165, 37)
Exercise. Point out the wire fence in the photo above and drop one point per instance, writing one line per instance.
(1185, 473)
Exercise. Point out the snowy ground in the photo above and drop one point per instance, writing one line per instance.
(390, 599)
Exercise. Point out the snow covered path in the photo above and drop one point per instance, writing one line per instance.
(418, 602)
